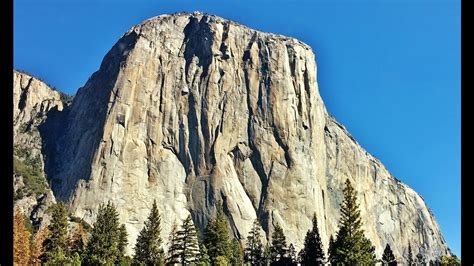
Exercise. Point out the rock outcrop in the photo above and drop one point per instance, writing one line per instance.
(191, 109)
(33, 100)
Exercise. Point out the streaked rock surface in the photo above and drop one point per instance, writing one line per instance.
(189, 109)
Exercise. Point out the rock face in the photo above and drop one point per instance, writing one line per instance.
(33, 100)
(191, 109)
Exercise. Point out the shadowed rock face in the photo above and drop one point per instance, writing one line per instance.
(33, 101)
(190, 109)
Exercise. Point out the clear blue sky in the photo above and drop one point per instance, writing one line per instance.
(388, 70)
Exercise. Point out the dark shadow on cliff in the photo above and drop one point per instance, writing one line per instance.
(71, 137)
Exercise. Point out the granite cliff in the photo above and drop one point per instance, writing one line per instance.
(190, 109)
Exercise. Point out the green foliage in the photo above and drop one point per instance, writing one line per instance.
(58, 257)
(254, 247)
(221, 261)
(216, 237)
(76, 259)
(450, 260)
(103, 246)
(237, 258)
(331, 249)
(81, 221)
(351, 246)
(55, 245)
(125, 261)
(313, 253)
(278, 248)
(388, 258)
(266, 255)
(122, 242)
(30, 170)
(292, 254)
(184, 247)
(204, 259)
(148, 247)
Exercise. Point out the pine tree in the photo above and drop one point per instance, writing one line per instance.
(267, 255)
(174, 246)
(410, 255)
(331, 250)
(292, 253)
(21, 240)
(253, 249)
(122, 243)
(351, 246)
(221, 261)
(278, 249)
(388, 258)
(237, 258)
(104, 241)
(313, 253)
(204, 259)
(148, 247)
(188, 240)
(217, 238)
(56, 244)
(449, 260)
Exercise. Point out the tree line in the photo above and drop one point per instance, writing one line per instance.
(108, 240)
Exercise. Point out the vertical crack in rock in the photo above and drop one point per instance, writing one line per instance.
(168, 107)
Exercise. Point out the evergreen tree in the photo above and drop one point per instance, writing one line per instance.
(388, 258)
(410, 255)
(351, 246)
(331, 250)
(188, 240)
(237, 258)
(174, 246)
(278, 248)
(221, 261)
(103, 246)
(148, 247)
(56, 244)
(204, 259)
(267, 256)
(313, 253)
(449, 260)
(122, 244)
(21, 240)
(292, 254)
(217, 238)
(300, 256)
(253, 249)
